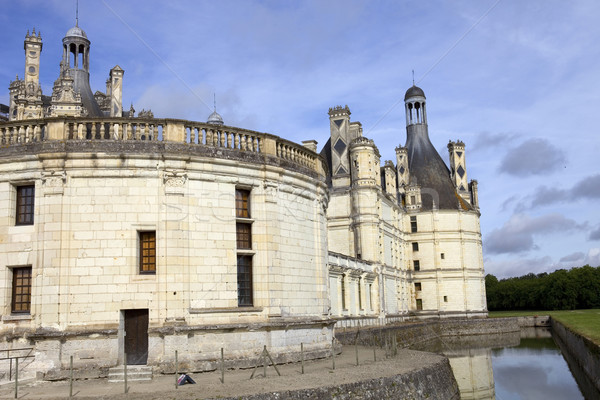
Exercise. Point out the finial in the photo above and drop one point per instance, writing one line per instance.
(413, 71)
(215, 101)
(77, 13)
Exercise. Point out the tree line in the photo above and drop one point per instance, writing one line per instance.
(577, 288)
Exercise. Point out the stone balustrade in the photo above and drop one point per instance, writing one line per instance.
(158, 130)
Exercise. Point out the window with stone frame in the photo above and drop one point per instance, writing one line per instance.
(360, 304)
(244, 246)
(417, 265)
(147, 240)
(419, 305)
(25, 205)
(418, 286)
(343, 293)
(244, 281)
(21, 290)
(415, 246)
(413, 224)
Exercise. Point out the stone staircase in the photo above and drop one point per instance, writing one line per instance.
(135, 373)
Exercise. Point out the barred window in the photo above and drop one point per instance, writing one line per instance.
(244, 235)
(147, 252)
(415, 246)
(25, 202)
(21, 290)
(244, 280)
(242, 206)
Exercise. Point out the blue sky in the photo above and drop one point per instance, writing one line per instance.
(517, 81)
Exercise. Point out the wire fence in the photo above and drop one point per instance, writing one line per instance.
(384, 346)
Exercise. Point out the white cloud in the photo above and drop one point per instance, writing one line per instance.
(533, 157)
(517, 234)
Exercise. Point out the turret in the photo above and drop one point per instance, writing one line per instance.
(33, 50)
(365, 189)
(402, 168)
(343, 132)
(26, 94)
(389, 183)
(116, 91)
(458, 168)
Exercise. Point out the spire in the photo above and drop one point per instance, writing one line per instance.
(215, 118)
(413, 71)
(76, 12)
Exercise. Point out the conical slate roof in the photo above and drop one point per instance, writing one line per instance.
(428, 170)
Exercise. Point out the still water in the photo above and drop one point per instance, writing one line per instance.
(516, 366)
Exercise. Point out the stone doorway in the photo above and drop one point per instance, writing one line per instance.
(136, 336)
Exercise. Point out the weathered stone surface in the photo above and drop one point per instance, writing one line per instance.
(585, 352)
(432, 382)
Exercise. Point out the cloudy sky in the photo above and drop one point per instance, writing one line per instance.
(517, 81)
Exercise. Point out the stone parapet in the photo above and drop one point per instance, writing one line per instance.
(191, 133)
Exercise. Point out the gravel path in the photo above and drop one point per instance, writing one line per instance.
(237, 383)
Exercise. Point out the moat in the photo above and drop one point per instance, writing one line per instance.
(524, 365)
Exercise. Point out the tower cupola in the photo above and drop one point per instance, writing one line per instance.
(414, 103)
(76, 63)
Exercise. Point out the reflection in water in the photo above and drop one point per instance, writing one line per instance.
(535, 369)
(520, 366)
(473, 372)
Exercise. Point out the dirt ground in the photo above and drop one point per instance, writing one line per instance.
(237, 382)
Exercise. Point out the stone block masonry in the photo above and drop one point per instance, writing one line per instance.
(585, 352)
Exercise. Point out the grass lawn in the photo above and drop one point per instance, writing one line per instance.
(585, 322)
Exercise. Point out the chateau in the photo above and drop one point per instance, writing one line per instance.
(124, 238)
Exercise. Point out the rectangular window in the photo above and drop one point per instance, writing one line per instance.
(244, 235)
(445, 299)
(242, 206)
(21, 290)
(360, 306)
(243, 230)
(147, 252)
(415, 246)
(343, 293)
(25, 202)
(419, 305)
(443, 256)
(417, 265)
(244, 281)
(418, 286)
(413, 200)
(413, 224)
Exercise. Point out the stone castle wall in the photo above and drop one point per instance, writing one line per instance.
(92, 198)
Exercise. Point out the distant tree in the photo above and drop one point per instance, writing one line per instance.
(559, 290)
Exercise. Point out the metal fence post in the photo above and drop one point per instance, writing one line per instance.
(222, 367)
(176, 368)
(126, 389)
(302, 355)
(333, 352)
(70, 376)
(16, 377)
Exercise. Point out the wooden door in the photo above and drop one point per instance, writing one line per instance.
(136, 336)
